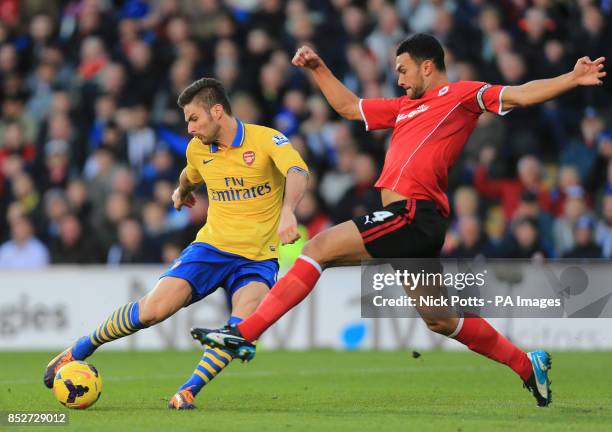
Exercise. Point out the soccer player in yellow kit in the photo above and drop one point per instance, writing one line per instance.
(254, 179)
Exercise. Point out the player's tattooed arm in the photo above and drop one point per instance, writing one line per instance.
(298, 170)
(183, 195)
(295, 186)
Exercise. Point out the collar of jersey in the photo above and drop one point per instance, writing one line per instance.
(238, 138)
(435, 90)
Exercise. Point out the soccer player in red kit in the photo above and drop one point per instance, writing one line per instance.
(431, 124)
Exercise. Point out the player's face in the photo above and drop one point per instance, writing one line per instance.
(410, 76)
(201, 123)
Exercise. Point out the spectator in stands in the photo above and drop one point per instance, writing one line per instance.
(170, 252)
(60, 129)
(9, 60)
(113, 81)
(74, 245)
(270, 16)
(117, 209)
(489, 21)
(23, 250)
(319, 132)
(568, 177)
(563, 227)
(161, 166)
(490, 131)
(354, 22)
(56, 168)
(585, 246)
(140, 137)
(509, 191)
(94, 59)
(309, 214)
(162, 195)
(387, 33)
(529, 207)
(603, 232)
(465, 202)
(143, 75)
(78, 199)
(164, 106)
(196, 218)
(335, 183)
(15, 144)
(13, 111)
(131, 247)
(25, 193)
(471, 241)
(597, 178)
(104, 112)
(99, 172)
(155, 226)
(56, 207)
(362, 197)
(524, 241)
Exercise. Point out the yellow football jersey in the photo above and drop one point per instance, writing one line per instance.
(245, 185)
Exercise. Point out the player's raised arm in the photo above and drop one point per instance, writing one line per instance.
(587, 72)
(342, 100)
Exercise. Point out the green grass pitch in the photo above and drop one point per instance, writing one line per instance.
(324, 391)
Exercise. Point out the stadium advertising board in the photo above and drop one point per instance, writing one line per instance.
(42, 310)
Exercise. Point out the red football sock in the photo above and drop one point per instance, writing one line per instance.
(479, 336)
(284, 295)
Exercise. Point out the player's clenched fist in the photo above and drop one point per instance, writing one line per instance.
(287, 228)
(306, 57)
(181, 198)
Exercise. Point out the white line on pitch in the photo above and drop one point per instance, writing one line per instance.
(264, 373)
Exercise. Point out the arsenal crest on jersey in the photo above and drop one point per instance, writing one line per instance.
(249, 157)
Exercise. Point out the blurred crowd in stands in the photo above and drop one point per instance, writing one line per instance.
(92, 141)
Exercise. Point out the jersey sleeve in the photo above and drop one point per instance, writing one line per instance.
(379, 113)
(283, 154)
(480, 97)
(193, 175)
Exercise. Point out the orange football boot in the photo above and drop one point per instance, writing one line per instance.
(182, 400)
(56, 364)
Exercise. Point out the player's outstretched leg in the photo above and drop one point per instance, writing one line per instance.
(122, 322)
(339, 244)
(479, 336)
(213, 361)
(169, 295)
(286, 293)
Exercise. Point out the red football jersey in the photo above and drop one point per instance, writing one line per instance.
(428, 135)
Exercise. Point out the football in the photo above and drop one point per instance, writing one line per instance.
(77, 385)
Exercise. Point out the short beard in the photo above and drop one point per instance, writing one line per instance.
(213, 139)
(417, 93)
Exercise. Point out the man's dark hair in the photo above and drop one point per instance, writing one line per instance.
(207, 92)
(422, 46)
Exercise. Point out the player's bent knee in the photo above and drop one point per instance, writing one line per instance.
(317, 249)
(151, 312)
(246, 300)
(169, 295)
(440, 325)
(310, 249)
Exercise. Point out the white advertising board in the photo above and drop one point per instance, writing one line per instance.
(48, 309)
